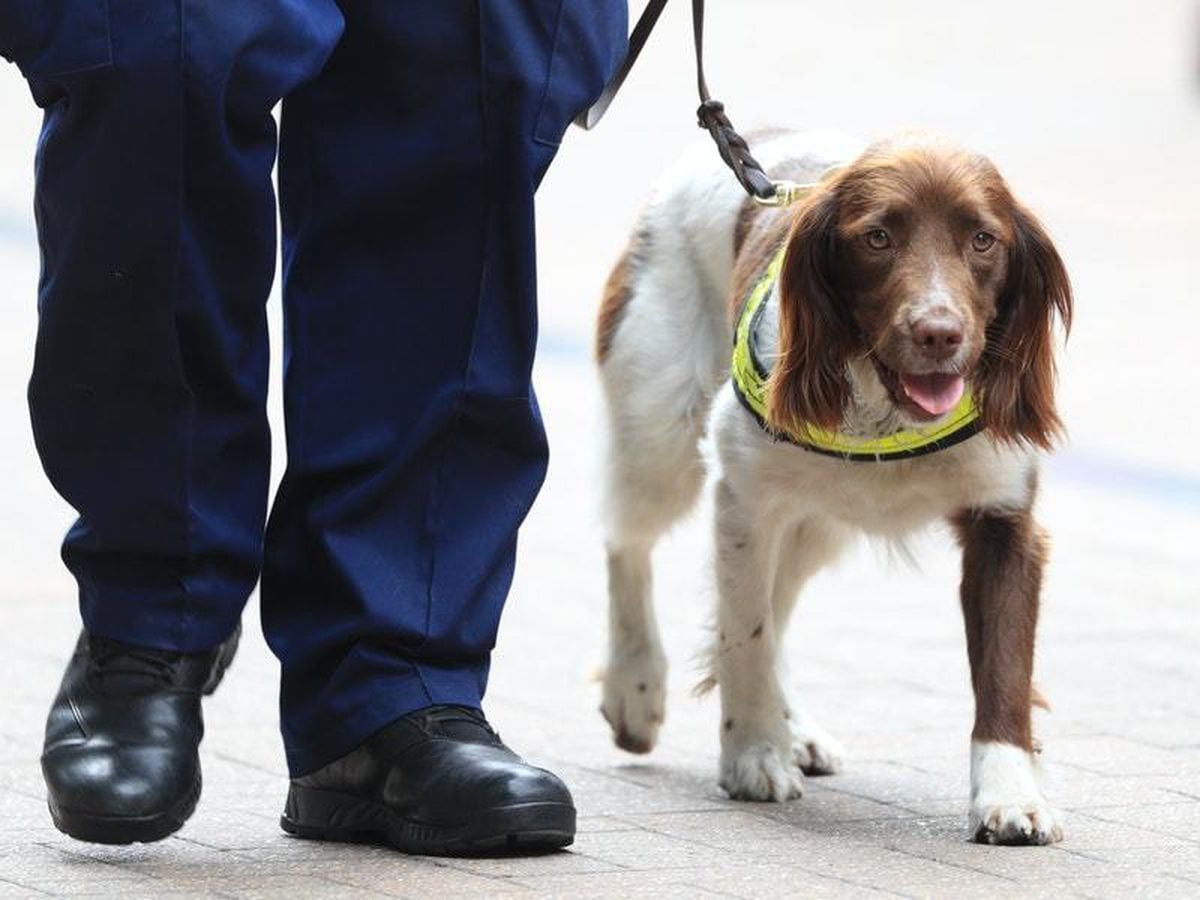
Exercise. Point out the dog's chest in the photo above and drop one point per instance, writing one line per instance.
(896, 497)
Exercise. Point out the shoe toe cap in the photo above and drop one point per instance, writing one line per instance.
(503, 780)
(529, 784)
(118, 782)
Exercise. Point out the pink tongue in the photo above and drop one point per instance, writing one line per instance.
(937, 394)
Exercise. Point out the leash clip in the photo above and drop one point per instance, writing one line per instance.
(785, 193)
(788, 192)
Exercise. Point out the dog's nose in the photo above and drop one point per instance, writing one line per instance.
(938, 336)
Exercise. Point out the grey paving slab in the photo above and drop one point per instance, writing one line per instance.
(9, 889)
(424, 880)
(1151, 887)
(753, 880)
(1093, 111)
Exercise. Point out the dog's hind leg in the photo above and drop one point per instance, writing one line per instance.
(644, 499)
(653, 474)
(634, 702)
(663, 348)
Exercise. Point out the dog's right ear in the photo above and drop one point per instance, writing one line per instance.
(808, 385)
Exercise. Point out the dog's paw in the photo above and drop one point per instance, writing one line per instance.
(761, 771)
(634, 704)
(1007, 806)
(1027, 822)
(816, 751)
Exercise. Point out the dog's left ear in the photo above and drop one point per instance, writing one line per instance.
(1015, 385)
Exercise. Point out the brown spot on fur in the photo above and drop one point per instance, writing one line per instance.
(766, 229)
(751, 214)
(759, 231)
(757, 632)
(618, 290)
(641, 687)
(1003, 558)
(729, 724)
(747, 214)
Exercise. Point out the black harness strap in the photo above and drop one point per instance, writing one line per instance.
(711, 115)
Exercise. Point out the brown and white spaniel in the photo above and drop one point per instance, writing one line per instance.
(911, 288)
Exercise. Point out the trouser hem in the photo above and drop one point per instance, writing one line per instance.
(331, 738)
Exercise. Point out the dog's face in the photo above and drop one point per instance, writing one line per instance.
(921, 270)
(917, 258)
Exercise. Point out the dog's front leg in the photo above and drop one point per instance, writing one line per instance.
(757, 762)
(1003, 556)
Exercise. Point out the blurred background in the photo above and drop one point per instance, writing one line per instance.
(1091, 109)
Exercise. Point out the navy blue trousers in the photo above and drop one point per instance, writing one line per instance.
(413, 137)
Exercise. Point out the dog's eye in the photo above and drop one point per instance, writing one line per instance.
(878, 239)
(982, 241)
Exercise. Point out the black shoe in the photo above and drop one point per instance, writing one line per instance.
(439, 782)
(120, 759)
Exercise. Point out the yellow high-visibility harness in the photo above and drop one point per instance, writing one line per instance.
(750, 375)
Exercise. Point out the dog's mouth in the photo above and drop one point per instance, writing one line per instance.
(924, 396)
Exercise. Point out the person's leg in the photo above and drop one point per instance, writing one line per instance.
(415, 445)
(157, 228)
(156, 223)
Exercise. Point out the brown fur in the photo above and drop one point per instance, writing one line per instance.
(751, 214)
(808, 385)
(1003, 557)
(618, 290)
(841, 300)
(1015, 382)
(748, 215)
(766, 227)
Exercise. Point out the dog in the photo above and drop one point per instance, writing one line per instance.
(897, 368)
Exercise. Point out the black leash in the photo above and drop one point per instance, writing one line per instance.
(711, 115)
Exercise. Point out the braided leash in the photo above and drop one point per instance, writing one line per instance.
(734, 150)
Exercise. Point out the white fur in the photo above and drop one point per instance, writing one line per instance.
(782, 513)
(1007, 806)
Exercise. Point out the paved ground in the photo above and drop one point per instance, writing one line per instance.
(1093, 111)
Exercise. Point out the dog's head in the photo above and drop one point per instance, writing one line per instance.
(918, 258)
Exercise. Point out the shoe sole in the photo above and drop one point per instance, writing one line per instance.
(518, 828)
(126, 829)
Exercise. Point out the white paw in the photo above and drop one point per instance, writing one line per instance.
(634, 704)
(1027, 821)
(1007, 806)
(817, 752)
(761, 771)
